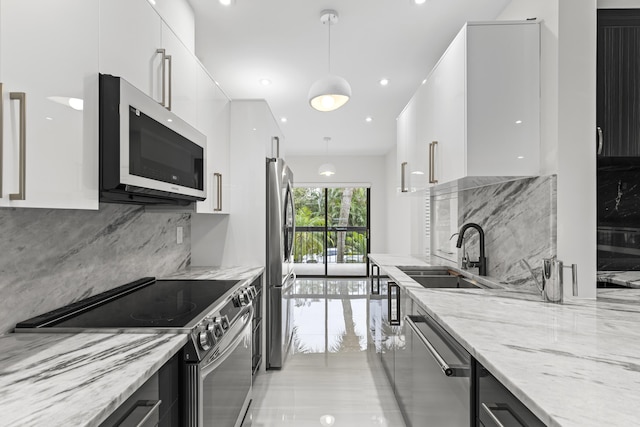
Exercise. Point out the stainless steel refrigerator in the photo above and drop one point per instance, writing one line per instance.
(280, 276)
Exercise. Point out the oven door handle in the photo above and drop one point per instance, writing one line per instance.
(227, 351)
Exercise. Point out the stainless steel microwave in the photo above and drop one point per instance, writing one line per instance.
(148, 155)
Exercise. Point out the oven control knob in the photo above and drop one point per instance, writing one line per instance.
(236, 301)
(204, 340)
(221, 324)
(211, 329)
(254, 292)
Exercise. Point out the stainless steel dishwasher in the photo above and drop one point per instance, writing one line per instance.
(440, 376)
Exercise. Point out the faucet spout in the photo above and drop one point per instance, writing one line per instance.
(482, 262)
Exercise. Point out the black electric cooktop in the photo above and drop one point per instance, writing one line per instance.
(141, 304)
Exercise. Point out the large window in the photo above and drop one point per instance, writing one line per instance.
(332, 231)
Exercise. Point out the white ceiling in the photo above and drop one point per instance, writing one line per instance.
(284, 41)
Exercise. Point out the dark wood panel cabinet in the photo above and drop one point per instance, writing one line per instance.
(618, 82)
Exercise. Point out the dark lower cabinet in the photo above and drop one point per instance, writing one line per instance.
(618, 83)
(498, 407)
(155, 403)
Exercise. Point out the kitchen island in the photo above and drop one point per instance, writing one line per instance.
(571, 364)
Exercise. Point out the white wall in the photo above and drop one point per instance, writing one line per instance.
(350, 170)
(568, 73)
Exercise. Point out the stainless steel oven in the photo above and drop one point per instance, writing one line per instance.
(218, 388)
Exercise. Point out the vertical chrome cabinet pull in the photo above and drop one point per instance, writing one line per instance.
(22, 97)
(1, 135)
(600, 140)
(170, 82)
(163, 52)
(218, 177)
(403, 170)
(377, 291)
(432, 163)
(394, 317)
(276, 139)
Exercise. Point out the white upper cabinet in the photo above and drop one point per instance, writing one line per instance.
(180, 77)
(130, 36)
(49, 76)
(478, 112)
(213, 119)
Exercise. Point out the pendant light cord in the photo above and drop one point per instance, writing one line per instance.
(329, 58)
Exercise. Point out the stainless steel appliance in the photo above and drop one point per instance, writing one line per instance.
(439, 380)
(280, 276)
(216, 362)
(148, 155)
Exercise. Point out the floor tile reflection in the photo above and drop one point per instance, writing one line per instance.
(329, 378)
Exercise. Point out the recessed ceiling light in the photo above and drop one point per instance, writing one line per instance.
(520, 157)
(153, 2)
(283, 119)
(419, 1)
(384, 82)
(518, 122)
(49, 118)
(169, 120)
(225, 2)
(369, 119)
(265, 82)
(424, 81)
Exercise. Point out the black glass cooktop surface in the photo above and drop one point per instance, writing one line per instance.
(164, 303)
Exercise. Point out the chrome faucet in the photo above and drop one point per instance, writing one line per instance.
(464, 262)
(482, 262)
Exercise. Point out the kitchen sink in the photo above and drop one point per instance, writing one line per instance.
(424, 271)
(442, 281)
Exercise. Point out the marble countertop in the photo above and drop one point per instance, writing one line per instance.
(572, 364)
(630, 279)
(80, 379)
(75, 379)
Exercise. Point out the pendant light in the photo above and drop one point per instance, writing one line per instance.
(330, 92)
(327, 169)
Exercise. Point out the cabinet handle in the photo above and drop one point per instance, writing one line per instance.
(147, 409)
(276, 139)
(491, 407)
(1, 134)
(394, 318)
(166, 100)
(600, 140)
(377, 291)
(432, 163)
(22, 98)
(218, 177)
(170, 82)
(163, 52)
(403, 170)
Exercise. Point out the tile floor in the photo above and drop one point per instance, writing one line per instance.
(329, 379)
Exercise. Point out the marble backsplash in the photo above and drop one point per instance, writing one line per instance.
(519, 221)
(52, 257)
(618, 214)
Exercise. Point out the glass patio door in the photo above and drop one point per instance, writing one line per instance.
(332, 231)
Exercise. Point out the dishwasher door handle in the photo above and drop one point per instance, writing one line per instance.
(446, 369)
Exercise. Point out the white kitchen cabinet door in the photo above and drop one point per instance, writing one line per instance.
(130, 36)
(49, 57)
(406, 135)
(180, 84)
(447, 84)
(419, 155)
(503, 99)
(213, 119)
